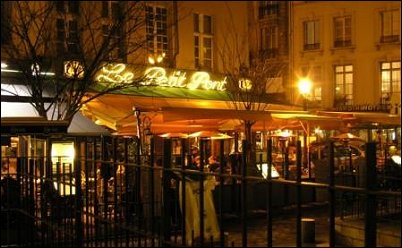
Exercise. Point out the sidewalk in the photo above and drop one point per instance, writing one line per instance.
(283, 228)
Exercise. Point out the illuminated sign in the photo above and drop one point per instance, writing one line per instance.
(158, 76)
(73, 69)
(245, 84)
(115, 73)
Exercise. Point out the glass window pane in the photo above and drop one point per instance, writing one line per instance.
(339, 80)
(317, 32)
(349, 68)
(196, 23)
(339, 69)
(385, 76)
(207, 24)
(396, 65)
(349, 89)
(385, 65)
(349, 78)
(208, 42)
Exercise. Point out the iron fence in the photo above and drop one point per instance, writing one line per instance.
(112, 195)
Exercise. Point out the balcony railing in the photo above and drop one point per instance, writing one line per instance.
(343, 43)
(390, 38)
(269, 53)
(268, 10)
(313, 46)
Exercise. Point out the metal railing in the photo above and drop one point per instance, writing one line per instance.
(113, 196)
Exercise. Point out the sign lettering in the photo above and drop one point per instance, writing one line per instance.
(114, 73)
(158, 76)
(386, 108)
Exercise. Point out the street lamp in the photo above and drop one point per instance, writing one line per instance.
(304, 89)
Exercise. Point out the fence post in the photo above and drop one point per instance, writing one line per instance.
(167, 151)
(201, 181)
(269, 193)
(370, 224)
(78, 199)
(183, 190)
(246, 147)
(221, 180)
(298, 193)
(331, 195)
(152, 188)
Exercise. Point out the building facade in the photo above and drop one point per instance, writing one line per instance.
(350, 51)
(269, 38)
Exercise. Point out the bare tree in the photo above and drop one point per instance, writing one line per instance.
(96, 36)
(248, 80)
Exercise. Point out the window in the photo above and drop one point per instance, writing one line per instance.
(203, 41)
(71, 7)
(390, 79)
(390, 26)
(268, 8)
(311, 35)
(269, 42)
(156, 27)
(343, 31)
(344, 85)
(72, 39)
(5, 22)
(111, 29)
(114, 41)
(69, 39)
(110, 9)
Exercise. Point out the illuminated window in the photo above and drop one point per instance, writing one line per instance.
(390, 79)
(311, 35)
(156, 27)
(203, 41)
(63, 167)
(343, 31)
(344, 84)
(390, 26)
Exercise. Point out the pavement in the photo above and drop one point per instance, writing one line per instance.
(283, 228)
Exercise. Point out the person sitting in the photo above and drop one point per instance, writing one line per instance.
(213, 164)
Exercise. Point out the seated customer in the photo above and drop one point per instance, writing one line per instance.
(213, 164)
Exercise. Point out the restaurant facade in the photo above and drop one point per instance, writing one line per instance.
(185, 94)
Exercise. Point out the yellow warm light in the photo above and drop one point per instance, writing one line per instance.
(305, 86)
(3, 65)
(114, 73)
(73, 69)
(285, 133)
(245, 84)
(151, 60)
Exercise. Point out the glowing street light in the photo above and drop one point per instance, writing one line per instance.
(304, 89)
(305, 86)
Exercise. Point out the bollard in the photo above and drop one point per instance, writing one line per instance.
(308, 230)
